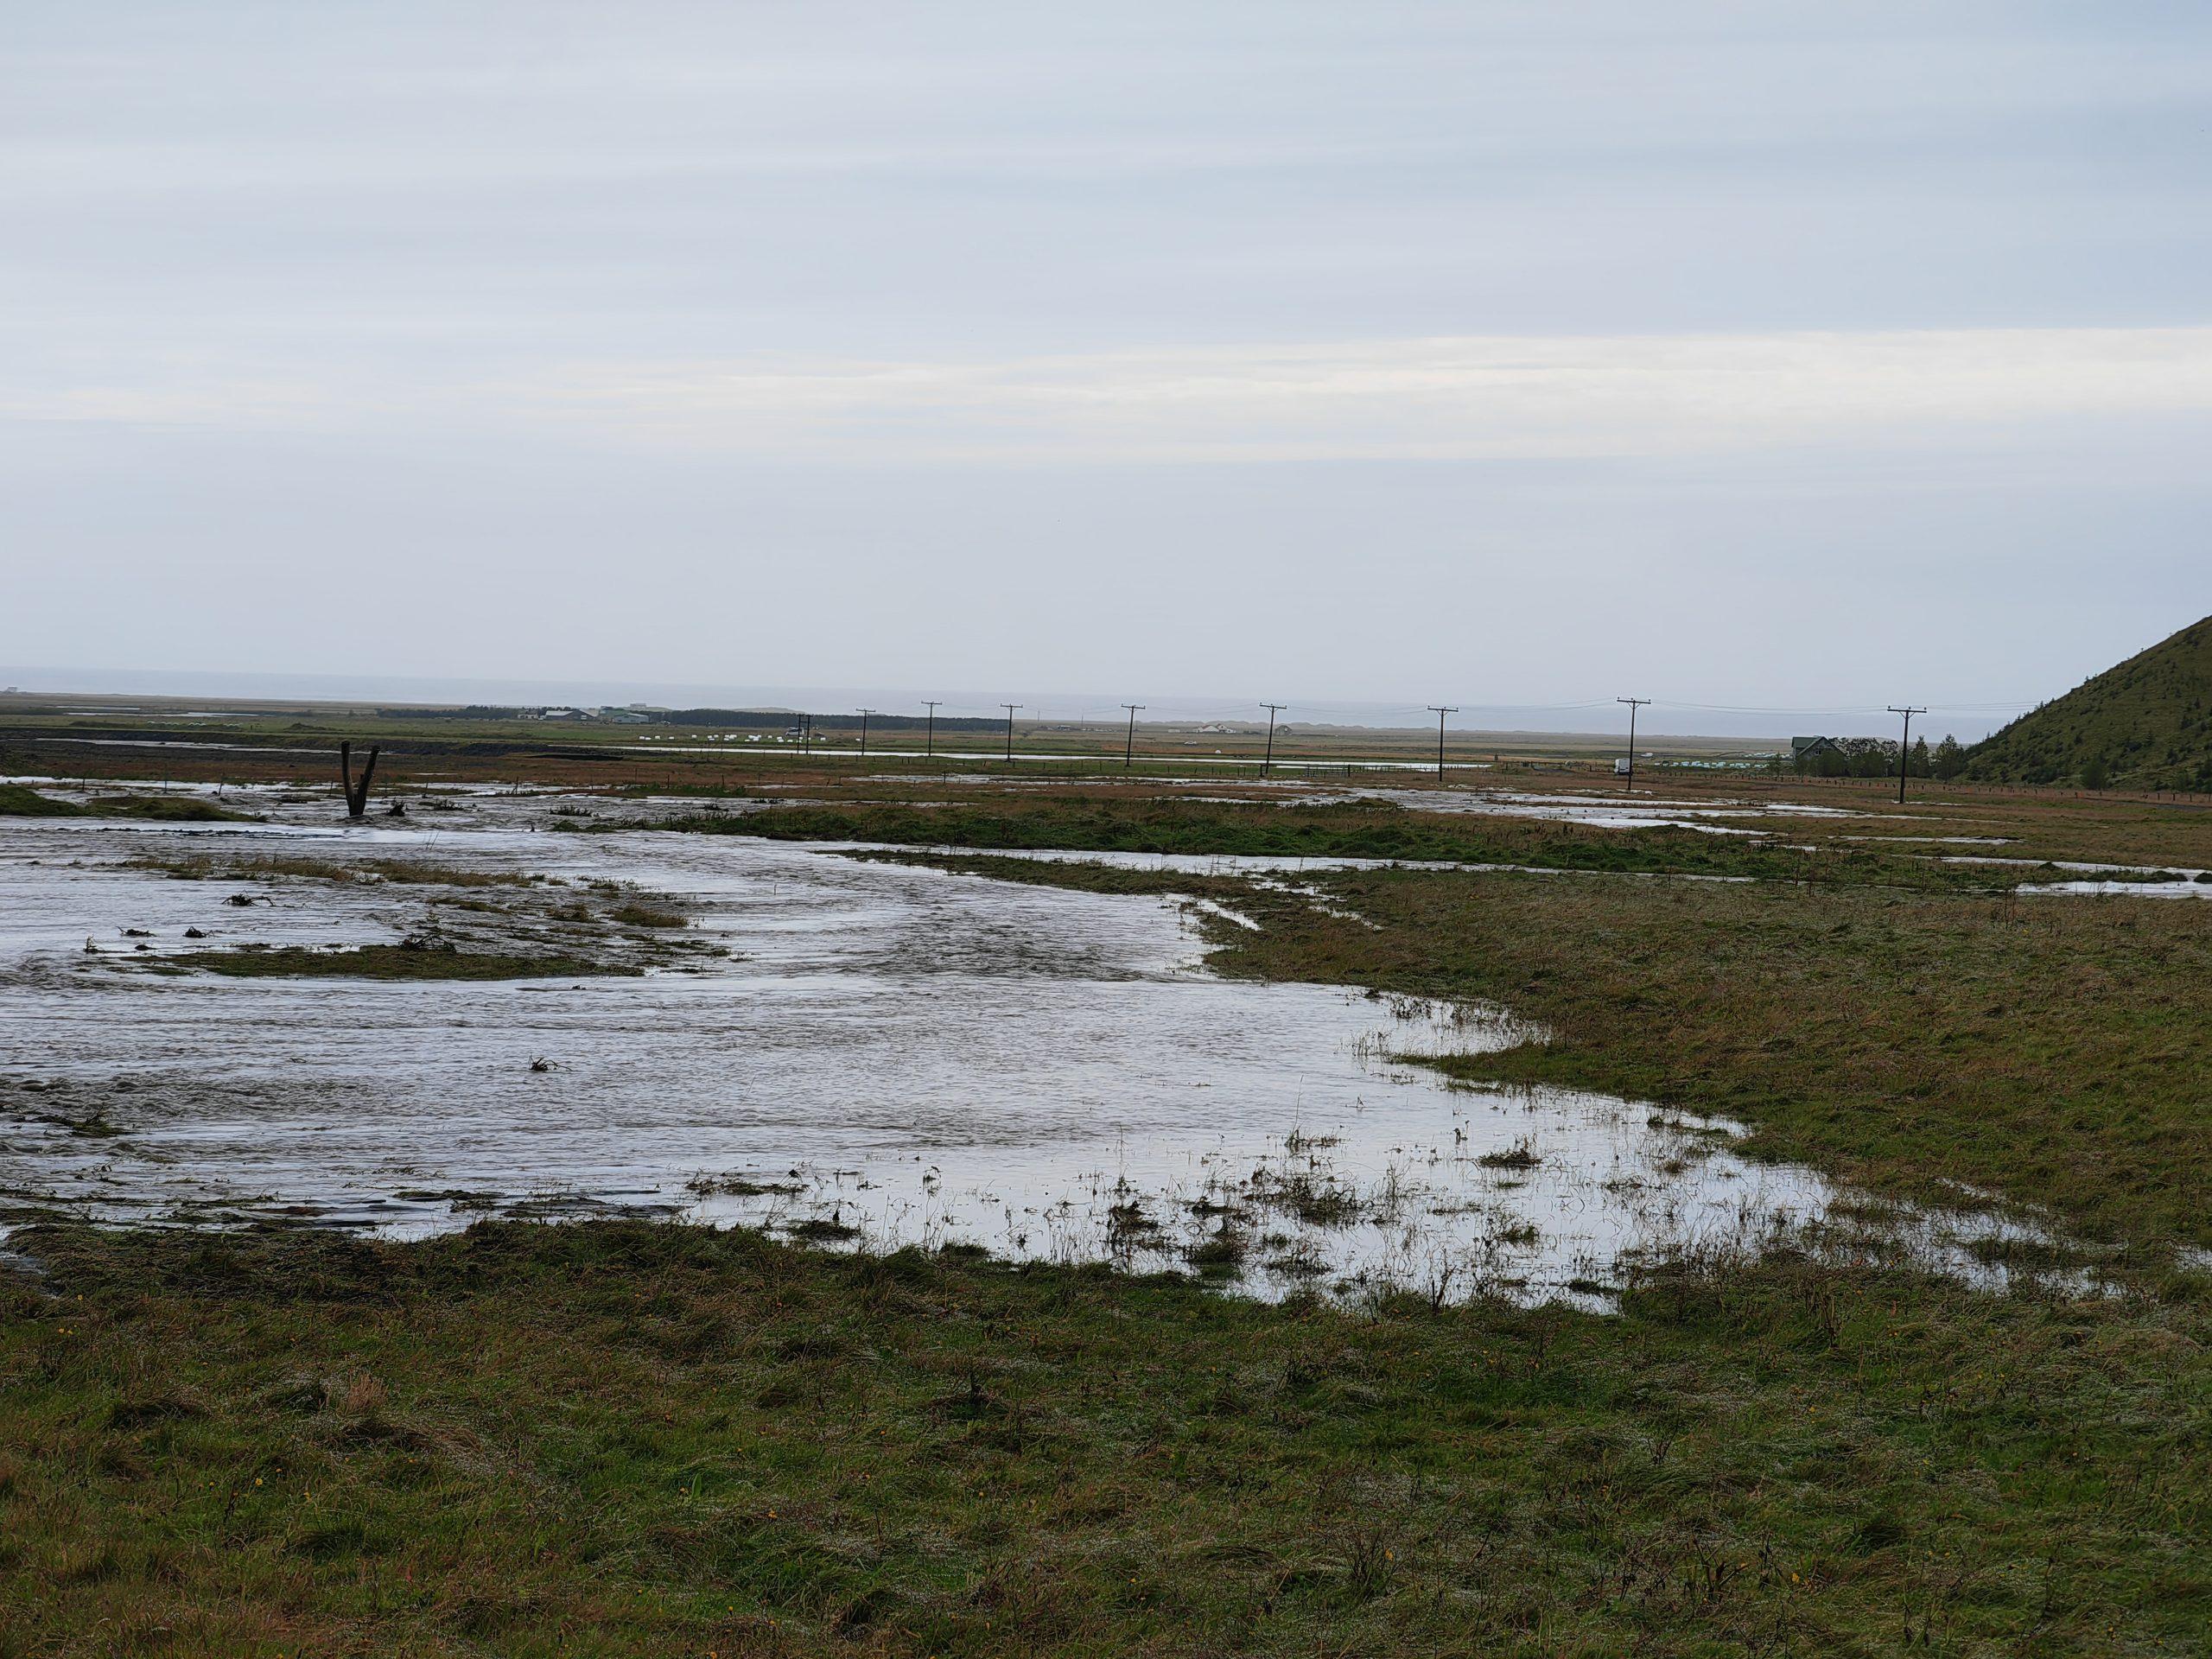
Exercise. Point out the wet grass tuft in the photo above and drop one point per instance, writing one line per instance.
(169, 808)
(20, 801)
(390, 961)
(399, 871)
(646, 916)
(1521, 1154)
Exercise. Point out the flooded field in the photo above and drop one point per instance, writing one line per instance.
(849, 1052)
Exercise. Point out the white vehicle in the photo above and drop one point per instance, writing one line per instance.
(1623, 767)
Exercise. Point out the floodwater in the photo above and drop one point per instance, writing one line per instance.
(850, 1050)
(2087, 880)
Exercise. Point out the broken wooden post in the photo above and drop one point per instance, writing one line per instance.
(357, 796)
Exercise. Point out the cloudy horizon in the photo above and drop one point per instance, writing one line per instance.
(1753, 358)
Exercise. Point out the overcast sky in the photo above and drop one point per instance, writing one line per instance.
(1748, 355)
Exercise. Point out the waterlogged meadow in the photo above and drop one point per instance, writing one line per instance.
(1195, 1252)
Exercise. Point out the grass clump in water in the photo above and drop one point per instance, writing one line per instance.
(399, 871)
(20, 801)
(1318, 1200)
(1521, 1154)
(646, 916)
(405, 961)
(169, 808)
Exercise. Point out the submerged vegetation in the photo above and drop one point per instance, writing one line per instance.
(396, 871)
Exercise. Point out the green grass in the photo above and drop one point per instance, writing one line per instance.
(19, 801)
(383, 961)
(618, 1439)
(2148, 722)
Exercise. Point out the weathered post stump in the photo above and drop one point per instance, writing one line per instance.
(357, 795)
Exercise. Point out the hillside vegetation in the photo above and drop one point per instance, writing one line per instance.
(2147, 723)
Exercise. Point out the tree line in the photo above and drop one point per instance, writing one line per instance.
(1877, 756)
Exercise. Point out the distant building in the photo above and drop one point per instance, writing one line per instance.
(1807, 750)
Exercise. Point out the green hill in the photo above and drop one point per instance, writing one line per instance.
(2146, 723)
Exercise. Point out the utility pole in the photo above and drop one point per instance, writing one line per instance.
(1634, 704)
(1905, 749)
(1129, 746)
(929, 743)
(1272, 709)
(1440, 713)
(1010, 708)
(806, 734)
(864, 713)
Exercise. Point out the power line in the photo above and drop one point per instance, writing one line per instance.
(1272, 709)
(1905, 749)
(1634, 704)
(1440, 712)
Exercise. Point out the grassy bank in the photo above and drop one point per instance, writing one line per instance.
(20, 801)
(617, 1439)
